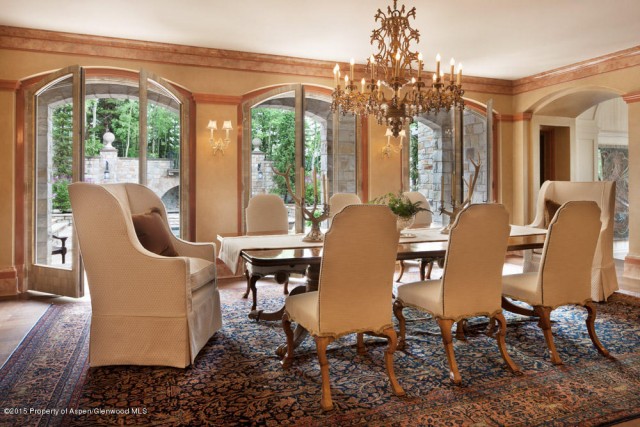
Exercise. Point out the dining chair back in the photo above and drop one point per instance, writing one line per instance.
(339, 201)
(267, 214)
(567, 256)
(367, 279)
(472, 276)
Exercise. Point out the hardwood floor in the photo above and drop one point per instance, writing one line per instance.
(19, 313)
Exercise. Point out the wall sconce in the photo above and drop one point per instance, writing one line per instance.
(389, 148)
(220, 144)
(106, 171)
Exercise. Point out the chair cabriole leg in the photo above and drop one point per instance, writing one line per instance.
(397, 311)
(286, 325)
(502, 345)
(591, 320)
(544, 313)
(401, 271)
(388, 360)
(321, 347)
(447, 340)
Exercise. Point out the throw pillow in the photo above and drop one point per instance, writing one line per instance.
(550, 209)
(152, 233)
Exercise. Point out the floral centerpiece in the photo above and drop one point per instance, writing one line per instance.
(402, 207)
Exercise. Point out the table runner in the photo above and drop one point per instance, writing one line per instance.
(231, 247)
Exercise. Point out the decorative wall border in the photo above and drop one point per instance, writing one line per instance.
(632, 97)
(9, 85)
(31, 40)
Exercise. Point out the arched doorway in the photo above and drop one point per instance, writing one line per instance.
(583, 135)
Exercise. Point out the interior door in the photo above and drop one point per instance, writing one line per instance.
(55, 125)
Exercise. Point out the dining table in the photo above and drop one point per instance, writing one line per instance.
(272, 254)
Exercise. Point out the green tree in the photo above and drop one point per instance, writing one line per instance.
(414, 175)
(276, 129)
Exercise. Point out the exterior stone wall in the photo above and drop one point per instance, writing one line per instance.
(161, 177)
(435, 158)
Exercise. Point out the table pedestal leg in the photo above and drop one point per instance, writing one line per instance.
(300, 333)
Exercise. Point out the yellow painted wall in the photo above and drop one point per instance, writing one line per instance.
(217, 177)
(7, 144)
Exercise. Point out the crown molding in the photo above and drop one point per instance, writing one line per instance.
(591, 67)
(31, 40)
(632, 97)
(208, 98)
(518, 117)
(9, 85)
(24, 39)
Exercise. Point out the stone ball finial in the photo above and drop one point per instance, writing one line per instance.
(107, 139)
(256, 144)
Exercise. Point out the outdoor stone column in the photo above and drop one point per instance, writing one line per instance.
(632, 260)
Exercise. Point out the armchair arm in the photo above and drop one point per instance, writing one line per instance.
(195, 250)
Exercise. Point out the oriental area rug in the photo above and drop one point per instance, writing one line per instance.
(238, 380)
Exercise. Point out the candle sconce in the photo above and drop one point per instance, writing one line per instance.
(455, 208)
(315, 234)
(388, 149)
(219, 145)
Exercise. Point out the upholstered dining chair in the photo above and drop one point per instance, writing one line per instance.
(154, 297)
(564, 276)
(339, 201)
(422, 219)
(267, 214)
(471, 281)
(553, 194)
(354, 292)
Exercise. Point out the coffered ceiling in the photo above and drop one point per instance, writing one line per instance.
(505, 39)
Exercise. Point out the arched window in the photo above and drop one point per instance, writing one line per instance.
(432, 152)
(293, 128)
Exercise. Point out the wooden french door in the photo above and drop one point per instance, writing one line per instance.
(68, 140)
(52, 261)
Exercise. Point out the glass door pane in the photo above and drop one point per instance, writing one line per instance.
(273, 146)
(163, 150)
(112, 137)
(476, 150)
(53, 172)
(431, 160)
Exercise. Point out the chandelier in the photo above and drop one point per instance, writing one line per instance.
(394, 89)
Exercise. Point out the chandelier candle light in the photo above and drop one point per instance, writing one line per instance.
(399, 69)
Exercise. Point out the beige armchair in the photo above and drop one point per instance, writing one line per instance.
(147, 309)
(565, 270)
(354, 293)
(267, 214)
(423, 219)
(603, 272)
(471, 281)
